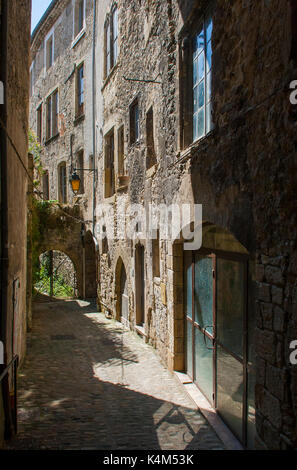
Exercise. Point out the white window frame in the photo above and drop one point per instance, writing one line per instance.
(206, 74)
(77, 36)
(48, 36)
(32, 78)
(110, 39)
(51, 95)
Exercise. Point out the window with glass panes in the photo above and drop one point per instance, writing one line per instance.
(107, 41)
(115, 36)
(111, 41)
(81, 15)
(80, 90)
(52, 110)
(202, 55)
(62, 183)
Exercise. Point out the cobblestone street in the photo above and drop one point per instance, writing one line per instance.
(87, 383)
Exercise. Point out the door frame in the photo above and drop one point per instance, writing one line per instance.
(140, 284)
(234, 256)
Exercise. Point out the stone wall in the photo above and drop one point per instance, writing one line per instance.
(69, 53)
(14, 57)
(243, 173)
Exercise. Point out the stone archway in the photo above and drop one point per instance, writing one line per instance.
(62, 231)
(57, 276)
(74, 259)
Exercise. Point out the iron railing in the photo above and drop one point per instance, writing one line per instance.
(14, 365)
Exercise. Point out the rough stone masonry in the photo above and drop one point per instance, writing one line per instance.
(243, 171)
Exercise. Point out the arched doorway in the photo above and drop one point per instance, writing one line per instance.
(56, 275)
(90, 278)
(218, 327)
(122, 303)
(140, 285)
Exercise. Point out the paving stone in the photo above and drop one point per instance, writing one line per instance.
(105, 390)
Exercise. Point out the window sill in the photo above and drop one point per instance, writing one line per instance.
(140, 330)
(123, 182)
(51, 139)
(191, 150)
(80, 35)
(78, 119)
(110, 199)
(109, 76)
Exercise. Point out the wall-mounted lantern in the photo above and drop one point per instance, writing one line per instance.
(75, 182)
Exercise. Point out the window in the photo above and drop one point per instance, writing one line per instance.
(111, 41)
(202, 54)
(156, 255)
(49, 52)
(45, 186)
(39, 123)
(107, 49)
(79, 17)
(80, 91)
(150, 155)
(196, 75)
(62, 196)
(114, 36)
(80, 170)
(109, 165)
(134, 122)
(52, 109)
(32, 78)
(121, 167)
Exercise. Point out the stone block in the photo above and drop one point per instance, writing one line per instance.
(271, 436)
(267, 315)
(270, 408)
(261, 370)
(264, 292)
(276, 380)
(279, 318)
(277, 295)
(266, 345)
(274, 275)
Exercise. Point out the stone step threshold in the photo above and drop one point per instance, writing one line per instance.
(223, 432)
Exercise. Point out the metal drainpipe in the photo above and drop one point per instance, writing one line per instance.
(71, 153)
(94, 111)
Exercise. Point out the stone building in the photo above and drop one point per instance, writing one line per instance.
(193, 107)
(63, 117)
(14, 113)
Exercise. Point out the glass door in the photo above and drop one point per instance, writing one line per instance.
(200, 321)
(216, 332)
(231, 343)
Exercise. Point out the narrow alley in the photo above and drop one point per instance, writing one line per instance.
(87, 383)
